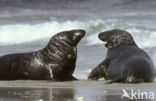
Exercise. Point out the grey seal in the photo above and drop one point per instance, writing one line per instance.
(125, 62)
(55, 62)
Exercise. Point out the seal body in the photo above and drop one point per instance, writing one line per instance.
(125, 61)
(54, 62)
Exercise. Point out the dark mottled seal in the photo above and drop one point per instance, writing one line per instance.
(54, 62)
(125, 61)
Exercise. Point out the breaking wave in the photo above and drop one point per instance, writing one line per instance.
(23, 33)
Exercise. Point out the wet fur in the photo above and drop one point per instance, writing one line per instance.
(127, 62)
(55, 62)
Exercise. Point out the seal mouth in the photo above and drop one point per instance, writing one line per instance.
(102, 37)
(105, 44)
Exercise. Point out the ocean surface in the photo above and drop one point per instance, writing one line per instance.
(27, 25)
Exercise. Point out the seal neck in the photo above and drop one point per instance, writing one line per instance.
(59, 50)
(112, 45)
(46, 53)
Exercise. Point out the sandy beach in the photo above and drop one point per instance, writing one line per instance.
(71, 91)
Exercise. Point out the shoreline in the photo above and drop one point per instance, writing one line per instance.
(22, 90)
(72, 84)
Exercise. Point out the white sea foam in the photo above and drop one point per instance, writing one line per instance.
(93, 40)
(83, 74)
(143, 36)
(22, 33)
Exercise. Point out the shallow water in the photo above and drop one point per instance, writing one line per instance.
(70, 91)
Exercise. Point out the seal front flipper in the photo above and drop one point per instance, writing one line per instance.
(133, 79)
(117, 80)
(129, 79)
(99, 71)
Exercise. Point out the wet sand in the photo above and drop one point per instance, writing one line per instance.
(70, 91)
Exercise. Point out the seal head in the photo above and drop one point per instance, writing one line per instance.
(116, 37)
(71, 37)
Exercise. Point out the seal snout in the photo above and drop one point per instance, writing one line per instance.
(79, 33)
(102, 36)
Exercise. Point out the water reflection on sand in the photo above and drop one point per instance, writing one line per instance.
(60, 94)
(68, 91)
